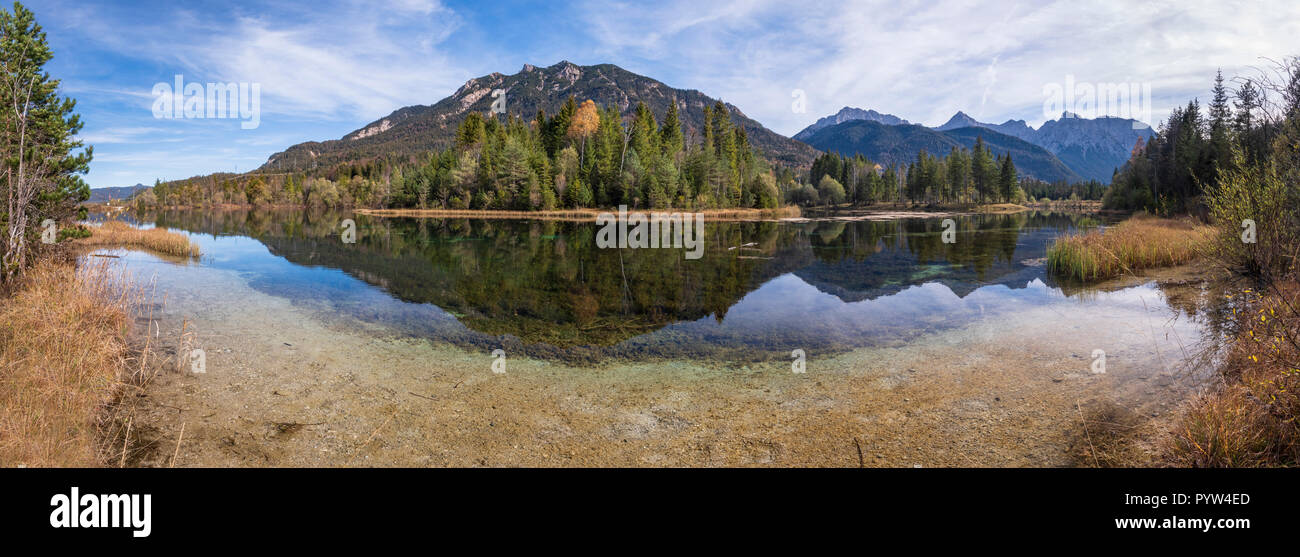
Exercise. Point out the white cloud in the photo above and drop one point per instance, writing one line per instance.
(925, 62)
(349, 61)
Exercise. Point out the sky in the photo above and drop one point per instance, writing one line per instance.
(325, 68)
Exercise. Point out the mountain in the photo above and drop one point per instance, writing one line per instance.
(123, 193)
(846, 114)
(421, 128)
(1091, 147)
(1014, 128)
(960, 120)
(899, 145)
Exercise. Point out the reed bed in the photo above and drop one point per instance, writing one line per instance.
(63, 356)
(120, 234)
(1141, 242)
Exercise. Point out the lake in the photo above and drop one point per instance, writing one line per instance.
(902, 339)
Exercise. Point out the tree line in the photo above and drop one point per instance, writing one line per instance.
(973, 175)
(1170, 173)
(583, 156)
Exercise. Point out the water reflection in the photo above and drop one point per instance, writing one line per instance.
(543, 287)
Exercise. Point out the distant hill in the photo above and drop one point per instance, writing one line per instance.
(846, 114)
(1014, 128)
(421, 128)
(122, 193)
(899, 145)
(1092, 148)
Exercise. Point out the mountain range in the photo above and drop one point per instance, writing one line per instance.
(899, 145)
(122, 193)
(1088, 148)
(848, 114)
(1069, 148)
(421, 128)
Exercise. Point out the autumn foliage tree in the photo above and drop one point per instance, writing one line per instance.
(586, 120)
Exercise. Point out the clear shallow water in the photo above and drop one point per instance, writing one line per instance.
(543, 288)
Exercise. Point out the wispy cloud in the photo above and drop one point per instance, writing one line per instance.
(925, 61)
(328, 67)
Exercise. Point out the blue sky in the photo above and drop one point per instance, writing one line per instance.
(326, 68)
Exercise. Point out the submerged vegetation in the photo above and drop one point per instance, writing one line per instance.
(1142, 242)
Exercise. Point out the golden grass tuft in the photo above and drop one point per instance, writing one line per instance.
(1253, 418)
(115, 233)
(1141, 242)
(63, 351)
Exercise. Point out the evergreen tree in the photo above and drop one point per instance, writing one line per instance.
(1008, 181)
(38, 128)
(671, 131)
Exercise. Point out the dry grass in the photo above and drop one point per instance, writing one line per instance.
(1001, 208)
(790, 211)
(1253, 419)
(63, 352)
(119, 234)
(1141, 242)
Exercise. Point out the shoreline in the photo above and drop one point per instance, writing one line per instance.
(582, 215)
(788, 213)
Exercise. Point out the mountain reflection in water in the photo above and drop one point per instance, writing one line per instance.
(543, 288)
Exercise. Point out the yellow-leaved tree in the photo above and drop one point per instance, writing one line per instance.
(585, 122)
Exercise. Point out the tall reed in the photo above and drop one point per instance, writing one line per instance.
(1141, 242)
(119, 234)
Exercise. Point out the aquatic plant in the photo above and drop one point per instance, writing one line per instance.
(119, 234)
(1141, 242)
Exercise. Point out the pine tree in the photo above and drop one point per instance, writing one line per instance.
(1220, 152)
(671, 131)
(1007, 180)
(37, 141)
(983, 169)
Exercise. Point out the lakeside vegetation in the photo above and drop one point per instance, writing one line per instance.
(1139, 243)
(583, 157)
(1238, 169)
(587, 156)
(580, 214)
(115, 233)
(963, 176)
(43, 161)
(66, 325)
(63, 359)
